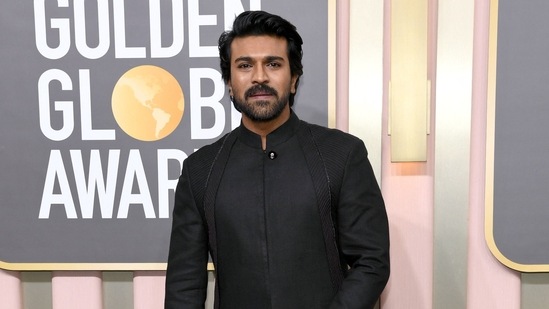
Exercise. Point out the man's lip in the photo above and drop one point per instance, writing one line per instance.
(260, 95)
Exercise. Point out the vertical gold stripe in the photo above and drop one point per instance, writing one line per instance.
(409, 86)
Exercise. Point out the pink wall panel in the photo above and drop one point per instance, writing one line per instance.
(10, 290)
(490, 284)
(77, 289)
(148, 288)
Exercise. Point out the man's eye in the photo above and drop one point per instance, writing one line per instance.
(244, 66)
(273, 64)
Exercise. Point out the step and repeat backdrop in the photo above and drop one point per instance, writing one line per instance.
(101, 102)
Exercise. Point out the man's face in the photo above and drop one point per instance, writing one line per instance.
(261, 81)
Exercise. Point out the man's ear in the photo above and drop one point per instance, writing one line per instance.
(295, 78)
(230, 87)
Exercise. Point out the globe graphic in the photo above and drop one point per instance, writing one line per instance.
(147, 103)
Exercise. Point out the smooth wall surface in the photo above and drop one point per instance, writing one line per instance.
(436, 209)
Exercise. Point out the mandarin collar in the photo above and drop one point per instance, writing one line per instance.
(278, 136)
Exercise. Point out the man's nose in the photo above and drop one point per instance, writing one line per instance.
(260, 75)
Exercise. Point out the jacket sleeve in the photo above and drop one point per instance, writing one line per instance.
(186, 275)
(363, 234)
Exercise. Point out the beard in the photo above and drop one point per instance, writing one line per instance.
(263, 110)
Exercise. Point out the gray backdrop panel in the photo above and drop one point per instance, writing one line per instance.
(25, 151)
(521, 171)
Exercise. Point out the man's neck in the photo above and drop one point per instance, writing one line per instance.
(264, 128)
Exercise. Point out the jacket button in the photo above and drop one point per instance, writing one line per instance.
(272, 155)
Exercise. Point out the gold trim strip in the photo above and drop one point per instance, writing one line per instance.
(87, 266)
(332, 46)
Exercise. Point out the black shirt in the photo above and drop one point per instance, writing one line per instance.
(271, 251)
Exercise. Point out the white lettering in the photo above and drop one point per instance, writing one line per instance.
(88, 133)
(56, 170)
(62, 24)
(65, 107)
(103, 29)
(198, 103)
(195, 21)
(166, 185)
(96, 183)
(135, 172)
(121, 50)
(157, 51)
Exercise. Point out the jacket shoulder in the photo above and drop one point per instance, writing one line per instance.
(206, 154)
(199, 164)
(333, 141)
(336, 148)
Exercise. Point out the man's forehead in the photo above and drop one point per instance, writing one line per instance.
(259, 46)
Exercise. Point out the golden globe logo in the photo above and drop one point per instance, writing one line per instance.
(148, 103)
(91, 170)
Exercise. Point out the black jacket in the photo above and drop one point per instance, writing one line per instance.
(351, 208)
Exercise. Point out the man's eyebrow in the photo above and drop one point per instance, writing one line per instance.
(274, 58)
(267, 58)
(243, 58)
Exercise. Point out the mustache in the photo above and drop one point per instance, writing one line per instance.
(260, 88)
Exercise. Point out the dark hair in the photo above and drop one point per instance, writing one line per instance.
(262, 23)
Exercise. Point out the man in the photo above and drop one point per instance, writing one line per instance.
(290, 212)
